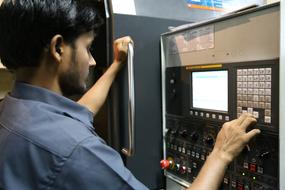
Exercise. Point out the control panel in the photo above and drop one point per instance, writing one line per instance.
(200, 99)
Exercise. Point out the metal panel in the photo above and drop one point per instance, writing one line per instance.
(248, 34)
(145, 32)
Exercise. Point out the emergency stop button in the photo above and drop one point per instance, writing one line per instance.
(164, 164)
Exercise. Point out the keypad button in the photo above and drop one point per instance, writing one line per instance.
(267, 112)
(244, 97)
(267, 105)
(268, 92)
(267, 119)
(261, 77)
(255, 71)
(250, 104)
(268, 71)
(250, 71)
(256, 84)
(267, 84)
(256, 78)
(244, 91)
(250, 78)
(255, 98)
(261, 92)
(267, 77)
(239, 84)
(220, 117)
(250, 91)
(262, 71)
(261, 105)
(255, 91)
(261, 98)
(244, 71)
(244, 84)
(250, 110)
(202, 114)
(239, 78)
(239, 109)
(244, 111)
(239, 91)
(267, 98)
(207, 115)
(239, 72)
(244, 103)
(239, 103)
(250, 97)
(261, 85)
(255, 104)
(239, 97)
(255, 114)
(244, 78)
(214, 116)
(250, 84)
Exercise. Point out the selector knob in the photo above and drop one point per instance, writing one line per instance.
(183, 133)
(177, 167)
(183, 169)
(173, 131)
(209, 140)
(194, 136)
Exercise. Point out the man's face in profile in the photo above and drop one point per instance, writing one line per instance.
(77, 58)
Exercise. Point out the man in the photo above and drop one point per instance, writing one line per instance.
(46, 140)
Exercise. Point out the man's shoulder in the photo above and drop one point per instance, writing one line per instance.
(48, 129)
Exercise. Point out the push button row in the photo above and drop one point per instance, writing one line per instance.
(210, 115)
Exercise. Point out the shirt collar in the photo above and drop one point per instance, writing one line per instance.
(67, 106)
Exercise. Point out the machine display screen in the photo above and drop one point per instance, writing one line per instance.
(210, 90)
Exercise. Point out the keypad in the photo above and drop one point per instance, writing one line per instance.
(254, 92)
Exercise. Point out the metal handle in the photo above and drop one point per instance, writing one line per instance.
(131, 103)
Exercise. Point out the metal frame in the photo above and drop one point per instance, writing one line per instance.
(281, 96)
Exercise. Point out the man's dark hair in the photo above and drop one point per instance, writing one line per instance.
(27, 27)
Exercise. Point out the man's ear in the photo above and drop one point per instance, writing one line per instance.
(56, 47)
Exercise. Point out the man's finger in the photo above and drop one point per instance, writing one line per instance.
(251, 134)
(247, 122)
(243, 117)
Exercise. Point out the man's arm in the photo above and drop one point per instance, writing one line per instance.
(95, 97)
(230, 141)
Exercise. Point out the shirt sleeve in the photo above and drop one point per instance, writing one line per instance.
(94, 165)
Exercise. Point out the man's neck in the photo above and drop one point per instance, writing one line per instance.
(38, 76)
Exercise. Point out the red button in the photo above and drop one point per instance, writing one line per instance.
(240, 186)
(164, 164)
(252, 167)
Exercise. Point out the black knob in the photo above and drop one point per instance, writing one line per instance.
(173, 131)
(183, 133)
(194, 136)
(209, 140)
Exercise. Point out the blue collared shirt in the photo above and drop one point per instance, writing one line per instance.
(47, 142)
